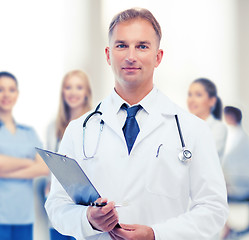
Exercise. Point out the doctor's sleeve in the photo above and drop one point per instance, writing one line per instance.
(208, 209)
(65, 216)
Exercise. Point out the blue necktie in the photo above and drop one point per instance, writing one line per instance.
(131, 128)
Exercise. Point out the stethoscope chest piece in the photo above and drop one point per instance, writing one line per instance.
(185, 155)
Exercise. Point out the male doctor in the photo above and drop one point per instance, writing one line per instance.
(137, 161)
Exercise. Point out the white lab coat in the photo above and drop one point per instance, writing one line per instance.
(156, 189)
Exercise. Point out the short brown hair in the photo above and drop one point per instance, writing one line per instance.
(134, 13)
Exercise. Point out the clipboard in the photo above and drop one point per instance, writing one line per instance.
(71, 176)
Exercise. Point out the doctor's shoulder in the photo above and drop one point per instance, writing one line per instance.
(187, 120)
(185, 117)
(192, 126)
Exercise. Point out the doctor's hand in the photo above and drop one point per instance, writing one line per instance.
(103, 218)
(134, 232)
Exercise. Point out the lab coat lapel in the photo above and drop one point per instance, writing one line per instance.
(163, 107)
(110, 118)
(153, 122)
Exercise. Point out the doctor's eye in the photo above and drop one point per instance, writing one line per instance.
(121, 46)
(142, 47)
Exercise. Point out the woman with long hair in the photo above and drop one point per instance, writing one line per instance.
(19, 165)
(203, 101)
(75, 100)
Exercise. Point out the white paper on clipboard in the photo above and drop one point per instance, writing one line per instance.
(71, 177)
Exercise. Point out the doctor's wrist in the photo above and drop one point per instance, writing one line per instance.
(90, 220)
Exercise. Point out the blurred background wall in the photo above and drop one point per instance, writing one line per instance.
(41, 40)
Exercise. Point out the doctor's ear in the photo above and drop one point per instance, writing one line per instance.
(159, 57)
(107, 53)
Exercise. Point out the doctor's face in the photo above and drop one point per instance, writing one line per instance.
(133, 54)
(8, 94)
(199, 102)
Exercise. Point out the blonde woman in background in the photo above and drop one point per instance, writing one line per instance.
(75, 100)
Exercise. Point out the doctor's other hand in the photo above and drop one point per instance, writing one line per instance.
(103, 218)
(134, 232)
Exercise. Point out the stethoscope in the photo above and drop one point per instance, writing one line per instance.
(96, 111)
(184, 156)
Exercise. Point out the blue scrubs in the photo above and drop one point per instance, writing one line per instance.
(16, 195)
(54, 235)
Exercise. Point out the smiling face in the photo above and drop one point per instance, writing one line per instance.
(199, 102)
(74, 92)
(133, 54)
(8, 94)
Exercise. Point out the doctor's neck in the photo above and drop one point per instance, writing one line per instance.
(133, 94)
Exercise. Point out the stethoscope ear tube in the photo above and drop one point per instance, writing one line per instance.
(179, 131)
(91, 114)
(185, 155)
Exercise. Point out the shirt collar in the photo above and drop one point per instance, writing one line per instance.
(17, 124)
(146, 102)
(210, 119)
(117, 101)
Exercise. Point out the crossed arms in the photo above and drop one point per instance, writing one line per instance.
(22, 168)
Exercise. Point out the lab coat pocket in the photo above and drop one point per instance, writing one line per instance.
(167, 176)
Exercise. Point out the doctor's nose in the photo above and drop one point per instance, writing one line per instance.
(131, 56)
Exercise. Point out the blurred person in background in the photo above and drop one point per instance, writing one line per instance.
(236, 162)
(236, 157)
(19, 165)
(75, 100)
(204, 102)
